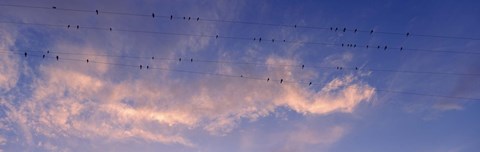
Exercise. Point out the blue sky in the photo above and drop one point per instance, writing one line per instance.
(72, 105)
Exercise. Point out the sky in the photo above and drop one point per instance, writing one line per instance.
(199, 92)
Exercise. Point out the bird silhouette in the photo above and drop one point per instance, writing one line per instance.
(385, 48)
(331, 28)
(198, 18)
(171, 17)
(78, 26)
(259, 39)
(367, 46)
(268, 79)
(140, 66)
(216, 37)
(273, 40)
(342, 44)
(371, 32)
(355, 31)
(408, 33)
(96, 11)
(57, 57)
(25, 54)
(344, 29)
(43, 56)
(191, 60)
(295, 26)
(189, 18)
(153, 58)
(281, 80)
(48, 52)
(310, 83)
(401, 48)
(179, 59)
(148, 67)
(54, 7)
(303, 66)
(356, 68)
(110, 29)
(153, 15)
(68, 26)
(87, 60)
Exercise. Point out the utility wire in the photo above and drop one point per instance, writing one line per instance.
(295, 66)
(256, 39)
(268, 79)
(171, 17)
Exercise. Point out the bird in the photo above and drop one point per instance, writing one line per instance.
(191, 60)
(43, 56)
(96, 11)
(259, 39)
(179, 59)
(355, 31)
(68, 26)
(310, 84)
(148, 67)
(54, 7)
(331, 28)
(268, 79)
(48, 52)
(241, 76)
(153, 58)
(336, 29)
(110, 29)
(342, 44)
(283, 40)
(216, 37)
(385, 48)
(254, 39)
(153, 15)
(87, 60)
(140, 66)
(371, 32)
(78, 26)
(295, 26)
(171, 17)
(57, 57)
(408, 33)
(184, 17)
(378, 47)
(344, 29)
(401, 48)
(273, 40)
(354, 45)
(189, 18)
(281, 80)
(198, 18)
(356, 68)
(25, 54)
(303, 66)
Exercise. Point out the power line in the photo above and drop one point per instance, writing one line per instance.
(256, 39)
(268, 79)
(171, 17)
(296, 66)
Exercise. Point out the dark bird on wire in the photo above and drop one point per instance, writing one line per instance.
(268, 79)
(179, 59)
(140, 66)
(344, 29)
(191, 60)
(110, 29)
(216, 37)
(153, 58)
(371, 32)
(310, 84)
(198, 18)
(153, 15)
(78, 26)
(68, 26)
(401, 48)
(25, 54)
(408, 33)
(43, 56)
(259, 39)
(96, 11)
(356, 68)
(171, 17)
(54, 7)
(385, 48)
(87, 60)
(355, 31)
(148, 67)
(57, 57)
(281, 80)
(303, 66)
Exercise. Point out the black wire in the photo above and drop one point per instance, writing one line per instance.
(370, 48)
(248, 22)
(298, 66)
(246, 77)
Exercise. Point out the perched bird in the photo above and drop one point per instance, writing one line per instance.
(96, 11)
(216, 37)
(342, 44)
(378, 47)
(54, 7)
(148, 67)
(401, 48)
(48, 52)
(25, 54)
(356, 68)
(198, 18)
(259, 39)
(184, 17)
(371, 32)
(295, 26)
(273, 40)
(367, 46)
(43, 56)
(254, 39)
(310, 84)
(241, 76)
(153, 15)
(336, 29)
(179, 59)
(331, 28)
(87, 60)
(68, 26)
(354, 45)
(57, 57)
(191, 60)
(408, 33)
(140, 66)
(171, 17)
(281, 80)
(78, 26)
(268, 79)
(153, 58)
(283, 40)
(355, 31)
(344, 29)
(303, 66)
(110, 29)
(385, 48)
